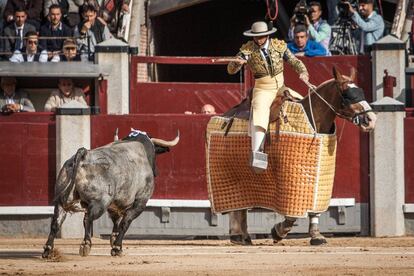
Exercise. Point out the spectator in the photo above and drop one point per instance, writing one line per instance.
(371, 25)
(70, 52)
(332, 11)
(111, 12)
(67, 92)
(208, 109)
(318, 29)
(303, 46)
(54, 28)
(17, 31)
(2, 7)
(30, 53)
(11, 100)
(33, 8)
(91, 27)
(69, 8)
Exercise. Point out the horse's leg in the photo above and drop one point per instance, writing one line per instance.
(238, 228)
(131, 214)
(116, 220)
(95, 209)
(316, 237)
(281, 229)
(59, 216)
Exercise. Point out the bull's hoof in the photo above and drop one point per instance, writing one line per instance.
(47, 251)
(85, 249)
(116, 251)
(318, 241)
(239, 240)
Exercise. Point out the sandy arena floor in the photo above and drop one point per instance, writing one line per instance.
(343, 256)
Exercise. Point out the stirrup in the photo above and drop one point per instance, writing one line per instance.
(258, 161)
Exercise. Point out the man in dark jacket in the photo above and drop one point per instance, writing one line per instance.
(33, 8)
(54, 27)
(17, 31)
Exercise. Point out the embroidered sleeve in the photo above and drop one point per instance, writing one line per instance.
(245, 51)
(293, 61)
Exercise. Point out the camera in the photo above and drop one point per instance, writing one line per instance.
(300, 11)
(343, 9)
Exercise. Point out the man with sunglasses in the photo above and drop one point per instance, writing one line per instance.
(318, 29)
(30, 53)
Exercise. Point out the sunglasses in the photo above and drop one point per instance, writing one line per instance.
(32, 42)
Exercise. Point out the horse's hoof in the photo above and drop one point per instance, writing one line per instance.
(113, 238)
(318, 241)
(239, 240)
(46, 252)
(275, 235)
(84, 249)
(116, 251)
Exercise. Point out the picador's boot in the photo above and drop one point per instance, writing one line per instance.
(280, 230)
(258, 161)
(316, 237)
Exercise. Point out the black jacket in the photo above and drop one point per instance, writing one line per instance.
(54, 44)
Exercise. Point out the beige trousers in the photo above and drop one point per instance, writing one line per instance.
(264, 92)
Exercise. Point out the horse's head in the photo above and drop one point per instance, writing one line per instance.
(354, 107)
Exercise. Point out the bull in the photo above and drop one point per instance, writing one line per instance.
(118, 177)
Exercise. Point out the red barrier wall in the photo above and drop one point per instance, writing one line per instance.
(27, 159)
(182, 172)
(409, 156)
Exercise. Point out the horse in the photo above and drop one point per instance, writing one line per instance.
(335, 97)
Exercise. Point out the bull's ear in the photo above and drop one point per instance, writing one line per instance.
(353, 74)
(337, 74)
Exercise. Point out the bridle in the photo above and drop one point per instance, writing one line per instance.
(349, 96)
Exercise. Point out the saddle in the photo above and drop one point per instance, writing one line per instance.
(242, 110)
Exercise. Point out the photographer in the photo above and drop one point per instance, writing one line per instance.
(371, 24)
(319, 30)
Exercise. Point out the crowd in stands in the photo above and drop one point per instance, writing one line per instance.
(33, 29)
(311, 36)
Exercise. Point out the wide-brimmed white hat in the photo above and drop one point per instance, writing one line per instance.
(259, 28)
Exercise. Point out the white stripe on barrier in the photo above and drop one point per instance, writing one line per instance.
(172, 203)
(408, 208)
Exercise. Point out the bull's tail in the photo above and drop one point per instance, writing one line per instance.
(63, 194)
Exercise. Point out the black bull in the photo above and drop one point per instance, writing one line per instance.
(118, 177)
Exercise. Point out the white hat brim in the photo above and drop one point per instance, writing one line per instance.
(250, 33)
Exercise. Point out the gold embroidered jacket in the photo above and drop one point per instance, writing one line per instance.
(277, 51)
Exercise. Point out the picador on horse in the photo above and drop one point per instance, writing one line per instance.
(338, 97)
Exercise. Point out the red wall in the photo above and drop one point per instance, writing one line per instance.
(27, 159)
(409, 156)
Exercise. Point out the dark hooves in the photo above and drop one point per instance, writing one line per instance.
(116, 252)
(46, 252)
(275, 235)
(84, 249)
(318, 241)
(239, 240)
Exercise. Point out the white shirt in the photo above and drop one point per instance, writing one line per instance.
(18, 57)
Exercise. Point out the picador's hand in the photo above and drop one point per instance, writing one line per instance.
(241, 61)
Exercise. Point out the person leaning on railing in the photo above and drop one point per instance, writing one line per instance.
(31, 52)
(69, 52)
(66, 93)
(12, 101)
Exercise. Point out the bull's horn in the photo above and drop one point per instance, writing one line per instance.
(164, 143)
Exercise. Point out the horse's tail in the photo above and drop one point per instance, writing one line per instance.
(65, 188)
